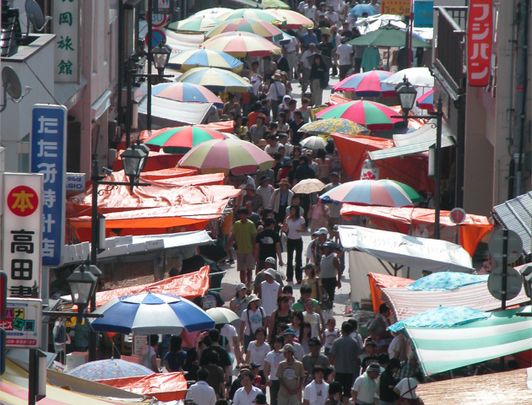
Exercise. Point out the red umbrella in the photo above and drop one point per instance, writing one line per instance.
(367, 84)
(426, 101)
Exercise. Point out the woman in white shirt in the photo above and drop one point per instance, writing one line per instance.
(271, 363)
(294, 226)
(258, 349)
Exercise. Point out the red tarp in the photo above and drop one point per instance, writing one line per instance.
(379, 281)
(163, 386)
(190, 285)
(411, 170)
(420, 221)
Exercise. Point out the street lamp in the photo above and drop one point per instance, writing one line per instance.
(407, 96)
(161, 56)
(134, 159)
(82, 284)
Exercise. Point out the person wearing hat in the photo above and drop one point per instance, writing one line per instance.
(317, 391)
(281, 198)
(252, 318)
(261, 275)
(291, 375)
(330, 274)
(276, 92)
(269, 291)
(244, 233)
(313, 249)
(365, 389)
(240, 301)
(289, 336)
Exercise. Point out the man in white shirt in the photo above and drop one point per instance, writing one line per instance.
(344, 51)
(255, 78)
(305, 64)
(366, 387)
(201, 392)
(247, 393)
(276, 92)
(317, 392)
(269, 291)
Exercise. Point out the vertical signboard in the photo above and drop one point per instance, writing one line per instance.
(66, 30)
(479, 42)
(397, 7)
(23, 323)
(3, 295)
(22, 234)
(48, 156)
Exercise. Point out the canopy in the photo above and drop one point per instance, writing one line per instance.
(516, 215)
(190, 285)
(420, 221)
(162, 386)
(167, 113)
(502, 334)
(414, 252)
(446, 280)
(388, 36)
(378, 281)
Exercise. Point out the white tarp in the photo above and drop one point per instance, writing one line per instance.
(410, 251)
(169, 111)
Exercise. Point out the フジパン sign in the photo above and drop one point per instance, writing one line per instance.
(479, 42)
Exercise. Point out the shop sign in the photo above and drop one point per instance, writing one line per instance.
(66, 29)
(479, 42)
(397, 7)
(23, 323)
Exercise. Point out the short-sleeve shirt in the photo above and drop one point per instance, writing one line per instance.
(291, 375)
(253, 319)
(346, 352)
(274, 359)
(269, 293)
(294, 228)
(315, 393)
(407, 388)
(366, 388)
(244, 234)
(267, 241)
(258, 353)
(344, 52)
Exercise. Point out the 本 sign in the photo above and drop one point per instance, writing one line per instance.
(66, 30)
(397, 7)
(23, 323)
(479, 42)
(48, 154)
(22, 233)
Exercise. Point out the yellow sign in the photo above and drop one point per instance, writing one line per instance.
(397, 7)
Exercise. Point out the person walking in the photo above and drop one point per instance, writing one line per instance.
(201, 393)
(330, 274)
(365, 389)
(269, 292)
(268, 244)
(246, 394)
(244, 233)
(271, 364)
(344, 357)
(276, 92)
(314, 358)
(257, 350)
(344, 52)
(387, 383)
(317, 391)
(281, 198)
(294, 226)
(252, 318)
(283, 315)
(291, 375)
(319, 80)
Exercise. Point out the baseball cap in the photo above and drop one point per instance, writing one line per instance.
(289, 331)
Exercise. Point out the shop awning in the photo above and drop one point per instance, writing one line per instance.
(516, 215)
(175, 112)
(503, 333)
(410, 251)
(378, 281)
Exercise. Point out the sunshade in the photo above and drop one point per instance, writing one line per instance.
(308, 186)
(216, 79)
(253, 14)
(261, 28)
(388, 36)
(360, 9)
(441, 317)
(417, 76)
(242, 44)
(502, 334)
(313, 142)
(186, 92)
(410, 192)
(290, 19)
(334, 125)
(446, 280)
(222, 315)
(268, 4)
(110, 368)
(181, 139)
(239, 157)
(195, 23)
(367, 84)
(149, 313)
(374, 116)
(369, 192)
(426, 101)
(206, 58)
(213, 11)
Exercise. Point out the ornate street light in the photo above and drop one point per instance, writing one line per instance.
(407, 95)
(161, 56)
(134, 159)
(82, 284)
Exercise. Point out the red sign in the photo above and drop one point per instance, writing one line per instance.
(23, 201)
(479, 42)
(457, 215)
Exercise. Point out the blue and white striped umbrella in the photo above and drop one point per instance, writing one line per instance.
(446, 280)
(149, 313)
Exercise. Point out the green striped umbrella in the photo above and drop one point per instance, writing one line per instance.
(410, 192)
(374, 116)
(181, 139)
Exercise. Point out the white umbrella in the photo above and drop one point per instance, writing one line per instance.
(313, 142)
(308, 186)
(417, 76)
(222, 315)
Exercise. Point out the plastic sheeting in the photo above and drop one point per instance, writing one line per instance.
(420, 222)
(379, 281)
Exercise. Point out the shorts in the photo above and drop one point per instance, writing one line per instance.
(245, 261)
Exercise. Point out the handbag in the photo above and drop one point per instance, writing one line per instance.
(409, 401)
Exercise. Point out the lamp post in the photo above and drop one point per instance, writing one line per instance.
(407, 96)
(134, 159)
(161, 57)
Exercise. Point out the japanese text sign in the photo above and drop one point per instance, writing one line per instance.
(48, 156)
(22, 234)
(3, 295)
(397, 7)
(23, 323)
(479, 42)
(66, 30)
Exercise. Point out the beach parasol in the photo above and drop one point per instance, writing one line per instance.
(242, 44)
(334, 125)
(360, 9)
(268, 4)
(261, 28)
(186, 92)
(148, 313)
(239, 157)
(313, 142)
(308, 186)
(367, 84)
(388, 36)
(195, 23)
(205, 58)
(417, 76)
(426, 101)
(215, 79)
(213, 12)
(372, 115)
(446, 280)
(222, 315)
(109, 368)
(369, 192)
(181, 139)
(252, 14)
(289, 19)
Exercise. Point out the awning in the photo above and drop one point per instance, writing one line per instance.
(68, 94)
(100, 106)
(378, 281)
(502, 334)
(406, 303)
(176, 112)
(516, 215)
(414, 142)
(414, 252)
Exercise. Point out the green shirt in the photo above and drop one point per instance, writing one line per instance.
(299, 307)
(244, 234)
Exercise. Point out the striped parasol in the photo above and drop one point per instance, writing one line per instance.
(181, 139)
(426, 101)
(372, 115)
(206, 58)
(215, 79)
(195, 23)
(252, 14)
(186, 92)
(367, 84)
(261, 28)
(242, 44)
(289, 19)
